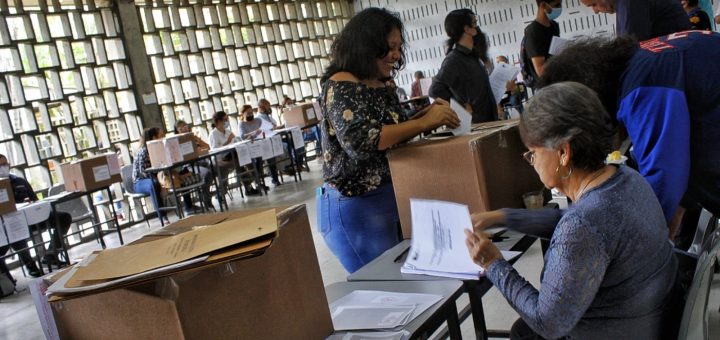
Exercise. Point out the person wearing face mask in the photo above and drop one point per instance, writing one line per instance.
(250, 128)
(539, 35)
(221, 136)
(462, 75)
(265, 113)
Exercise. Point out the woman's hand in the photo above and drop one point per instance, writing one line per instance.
(482, 250)
(439, 114)
(484, 220)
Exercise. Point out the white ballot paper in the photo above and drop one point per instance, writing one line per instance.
(464, 116)
(371, 309)
(557, 45)
(438, 244)
(501, 74)
(398, 335)
(266, 127)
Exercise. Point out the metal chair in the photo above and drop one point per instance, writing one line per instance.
(694, 322)
(137, 199)
(706, 226)
(78, 209)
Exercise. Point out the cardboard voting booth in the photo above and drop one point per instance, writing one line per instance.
(261, 281)
(483, 169)
(7, 196)
(172, 149)
(301, 115)
(91, 173)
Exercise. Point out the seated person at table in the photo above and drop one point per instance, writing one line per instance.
(145, 182)
(264, 112)
(250, 129)
(23, 192)
(182, 127)
(220, 136)
(610, 272)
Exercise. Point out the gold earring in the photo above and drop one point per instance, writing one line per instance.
(557, 171)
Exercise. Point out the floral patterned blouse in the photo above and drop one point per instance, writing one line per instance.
(353, 115)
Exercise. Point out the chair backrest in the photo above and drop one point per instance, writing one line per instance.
(706, 226)
(127, 179)
(76, 207)
(694, 323)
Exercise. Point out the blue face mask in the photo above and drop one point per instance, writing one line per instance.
(226, 125)
(554, 13)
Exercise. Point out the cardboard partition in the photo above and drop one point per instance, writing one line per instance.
(277, 295)
(484, 170)
(91, 173)
(301, 115)
(7, 196)
(172, 149)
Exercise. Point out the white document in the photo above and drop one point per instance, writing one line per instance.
(186, 148)
(499, 78)
(101, 173)
(390, 335)
(297, 138)
(277, 145)
(3, 237)
(256, 148)
(370, 309)
(464, 116)
(36, 212)
(266, 127)
(243, 154)
(310, 113)
(16, 226)
(425, 86)
(557, 45)
(4, 197)
(267, 149)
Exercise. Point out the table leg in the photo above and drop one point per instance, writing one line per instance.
(478, 314)
(114, 216)
(453, 322)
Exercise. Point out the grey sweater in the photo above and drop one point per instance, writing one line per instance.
(609, 269)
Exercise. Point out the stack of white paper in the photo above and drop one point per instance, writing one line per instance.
(438, 245)
(369, 309)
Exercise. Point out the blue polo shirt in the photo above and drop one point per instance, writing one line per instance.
(670, 105)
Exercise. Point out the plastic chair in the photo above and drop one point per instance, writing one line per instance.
(706, 226)
(694, 322)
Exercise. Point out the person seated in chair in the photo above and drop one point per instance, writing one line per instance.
(202, 170)
(145, 182)
(23, 192)
(249, 130)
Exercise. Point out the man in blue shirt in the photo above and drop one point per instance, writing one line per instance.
(643, 19)
(666, 93)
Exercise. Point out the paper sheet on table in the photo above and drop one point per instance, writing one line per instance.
(137, 258)
(507, 255)
(243, 153)
(501, 74)
(557, 45)
(390, 335)
(368, 299)
(266, 127)
(297, 138)
(3, 238)
(438, 244)
(425, 86)
(16, 226)
(464, 116)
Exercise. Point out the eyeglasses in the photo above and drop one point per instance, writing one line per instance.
(529, 157)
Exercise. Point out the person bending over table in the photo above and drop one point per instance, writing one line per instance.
(610, 272)
(23, 192)
(144, 182)
(357, 213)
(182, 127)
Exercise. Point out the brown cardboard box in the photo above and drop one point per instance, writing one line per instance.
(277, 295)
(483, 169)
(7, 196)
(172, 149)
(301, 115)
(91, 173)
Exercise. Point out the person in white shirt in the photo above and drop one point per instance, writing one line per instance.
(219, 137)
(265, 113)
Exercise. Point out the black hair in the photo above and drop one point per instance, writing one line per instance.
(362, 41)
(178, 123)
(218, 116)
(149, 134)
(455, 23)
(419, 74)
(595, 62)
(692, 3)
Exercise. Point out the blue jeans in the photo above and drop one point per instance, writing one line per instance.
(358, 229)
(145, 186)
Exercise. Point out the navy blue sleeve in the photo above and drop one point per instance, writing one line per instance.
(633, 18)
(537, 222)
(658, 122)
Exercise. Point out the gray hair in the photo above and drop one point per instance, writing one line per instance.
(569, 112)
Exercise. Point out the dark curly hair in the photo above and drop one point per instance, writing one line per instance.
(149, 134)
(569, 112)
(363, 40)
(595, 62)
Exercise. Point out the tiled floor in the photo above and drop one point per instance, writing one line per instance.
(19, 320)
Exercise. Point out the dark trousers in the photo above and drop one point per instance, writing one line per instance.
(26, 259)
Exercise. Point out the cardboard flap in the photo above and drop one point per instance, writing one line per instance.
(137, 258)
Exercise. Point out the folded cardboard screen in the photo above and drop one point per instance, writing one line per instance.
(246, 298)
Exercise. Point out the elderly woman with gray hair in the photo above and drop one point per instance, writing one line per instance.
(610, 272)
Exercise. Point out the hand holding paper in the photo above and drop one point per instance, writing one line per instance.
(464, 116)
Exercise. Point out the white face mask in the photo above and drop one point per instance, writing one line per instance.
(4, 171)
